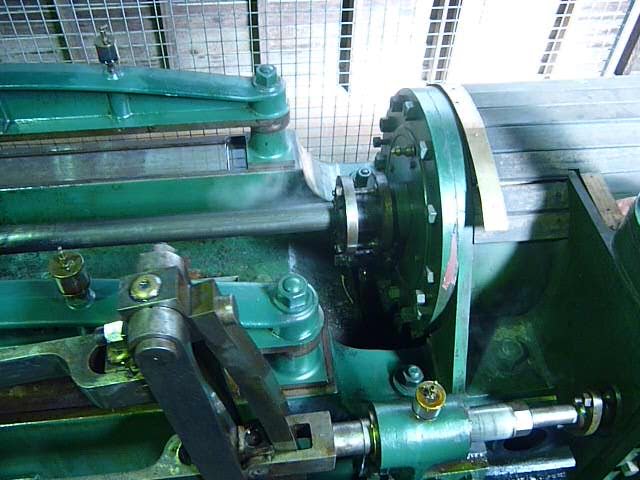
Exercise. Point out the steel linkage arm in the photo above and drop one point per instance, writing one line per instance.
(166, 314)
(44, 100)
(49, 99)
(161, 342)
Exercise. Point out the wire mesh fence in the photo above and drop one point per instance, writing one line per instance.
(341, 59)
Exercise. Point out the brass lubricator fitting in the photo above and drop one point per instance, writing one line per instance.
(429, 400)
(72, 280)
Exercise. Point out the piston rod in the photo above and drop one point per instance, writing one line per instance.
(508, 420)
(352, 438)
(311, 217)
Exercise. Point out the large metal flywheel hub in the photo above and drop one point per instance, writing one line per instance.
(422, 159)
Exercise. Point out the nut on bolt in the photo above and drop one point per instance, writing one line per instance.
(423, 150)
(629, 468)
(292, 293)
(380, 161)
(429, 400)
(590, 407)
(145, 287)
(388, 124)
(410, 110)
(406, 379)
(362, 177)
(266, 76)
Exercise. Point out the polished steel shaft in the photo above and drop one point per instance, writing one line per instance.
(352, 438)
(507, 420)
(310, 217)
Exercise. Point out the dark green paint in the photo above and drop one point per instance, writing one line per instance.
(84, 445)
(131, 199)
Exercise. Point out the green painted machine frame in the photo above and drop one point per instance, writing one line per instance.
(67, 100)
(531, 352)
(53, 99)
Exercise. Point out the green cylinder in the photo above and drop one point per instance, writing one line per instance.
(626, 244)
(270, 147)
(294, 369)
(405, 441)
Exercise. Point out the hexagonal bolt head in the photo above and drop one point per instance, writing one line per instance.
(406, 379)
(395, 103)
(410, 110)
(380, 162)
(388, 124)
(431, 278)
(432, 214)
(583, 400)
(266, 76)
(423, 150)
(629, 468)
(292, 293)
(362, 177)
(412, 375)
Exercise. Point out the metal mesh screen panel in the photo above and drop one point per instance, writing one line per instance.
(582, 37)
(341, 59)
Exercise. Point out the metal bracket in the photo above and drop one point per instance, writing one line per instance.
(345, 192)
(320, 456)
(494, 211)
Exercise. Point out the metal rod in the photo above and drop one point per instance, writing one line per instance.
(508, 420)
(352, 438)
(554, 415)
(312, 217)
